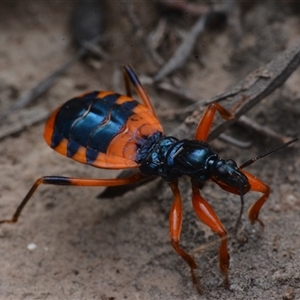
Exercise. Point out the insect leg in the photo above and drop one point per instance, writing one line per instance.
(175, 224)
(255, 185)
(130, 76)
(207, 215)
(233, 190)
(258, 186)
(204, 125)
(60, 180)
(126, 81)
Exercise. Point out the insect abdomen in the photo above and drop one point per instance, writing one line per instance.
(97, 125)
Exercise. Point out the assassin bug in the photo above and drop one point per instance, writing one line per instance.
(108, 130)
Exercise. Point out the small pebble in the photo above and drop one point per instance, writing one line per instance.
(31, 246)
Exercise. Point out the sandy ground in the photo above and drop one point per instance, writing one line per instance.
(89, 248)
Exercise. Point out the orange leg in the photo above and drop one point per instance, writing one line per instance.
(130, 76)
(60, 180)
(258, 186)
(127, 81)
(207, 215)
(255, 185)
(204, 126)
(175, 224)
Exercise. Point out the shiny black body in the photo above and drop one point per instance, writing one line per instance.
(170, 159)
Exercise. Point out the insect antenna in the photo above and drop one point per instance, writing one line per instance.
(252, 160)
(235, 229)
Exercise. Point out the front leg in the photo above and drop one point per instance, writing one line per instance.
(255, 185)
(207, 215)
(204, 126)
(258, 186)
(175, 225)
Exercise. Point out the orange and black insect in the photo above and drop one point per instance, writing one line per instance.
(113, 131)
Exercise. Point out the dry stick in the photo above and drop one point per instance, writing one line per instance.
(15, 123)
(25, 119)
(243, 120)
(257, 86)
(233, 141)
(139, 32)
(183, 51)
(45, 84)
(279, 71)
(157, 35)
(185, 94)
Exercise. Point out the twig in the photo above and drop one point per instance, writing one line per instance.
(180, 92)
(97, 50)
(243, 120)
(257, 86)
(156, 36)
(45, 84)
(15, 123)
(139, 32)
(183, 51)
(278, 72)
(231, 140)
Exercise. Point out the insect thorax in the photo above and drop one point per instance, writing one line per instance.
(170, 158)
